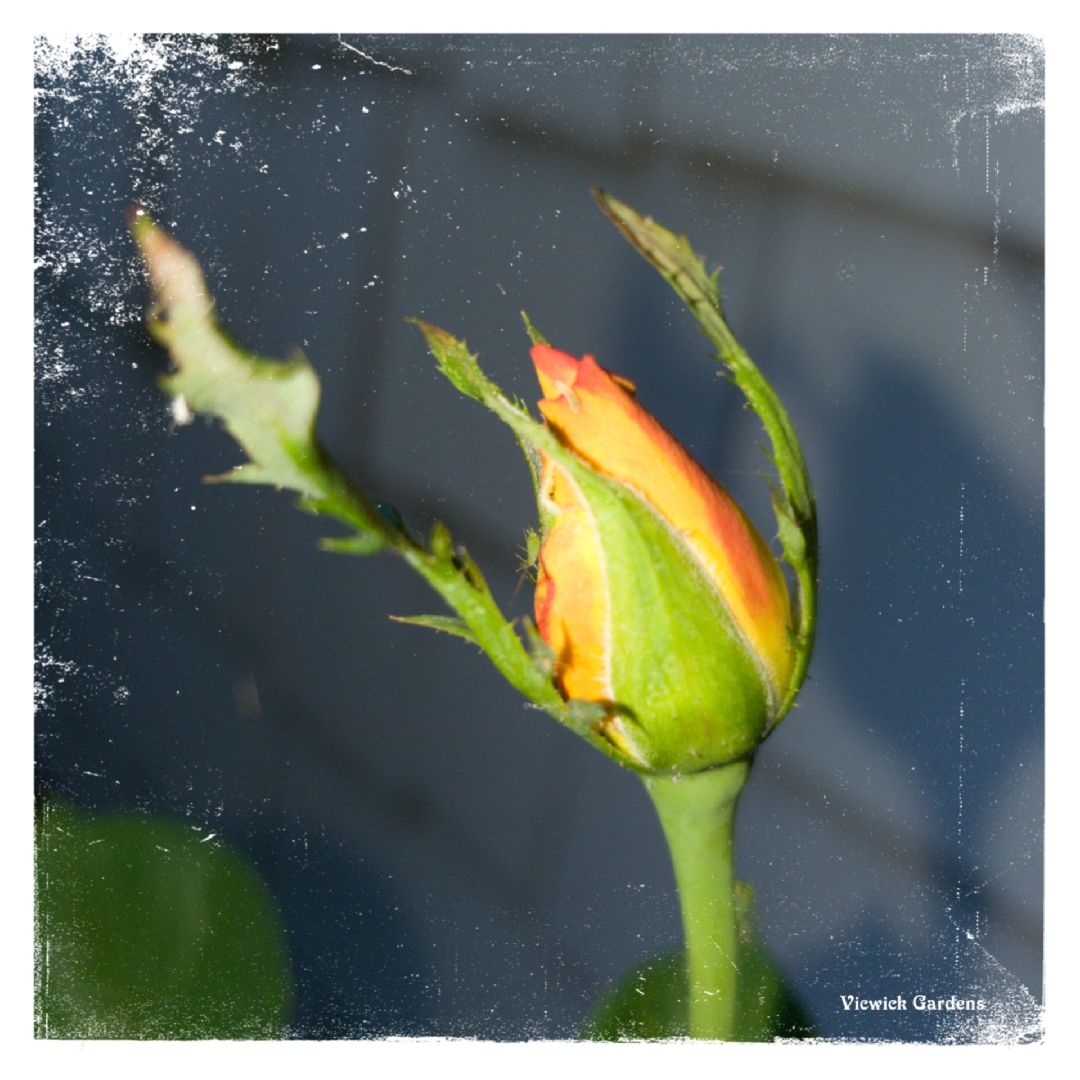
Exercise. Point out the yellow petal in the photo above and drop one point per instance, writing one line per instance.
(571, 593)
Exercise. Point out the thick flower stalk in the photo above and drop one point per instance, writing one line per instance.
(665, 634)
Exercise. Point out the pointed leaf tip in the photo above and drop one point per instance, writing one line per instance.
(456, 362)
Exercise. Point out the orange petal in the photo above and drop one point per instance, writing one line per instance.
(602, 422)
(571, 593)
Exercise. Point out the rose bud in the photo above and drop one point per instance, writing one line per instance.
(659, 598)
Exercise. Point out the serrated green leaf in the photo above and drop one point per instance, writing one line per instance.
(268, 406)
(457, 363)
(462, 369)
(445, 623)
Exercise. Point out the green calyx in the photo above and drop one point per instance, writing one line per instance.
(688, 693)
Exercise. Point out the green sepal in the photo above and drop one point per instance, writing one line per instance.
(532, 455)
(792, 538)
(461, 368)
(532, 459)
(459, 365)
(685, 271)
(460, 582)
(445, 623)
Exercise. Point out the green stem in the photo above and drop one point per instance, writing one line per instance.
(697, 812)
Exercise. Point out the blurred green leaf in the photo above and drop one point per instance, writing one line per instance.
(648, 1002)
(651, 1001)
(149, 929)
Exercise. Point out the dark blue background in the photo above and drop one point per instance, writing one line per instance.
(447, 861)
